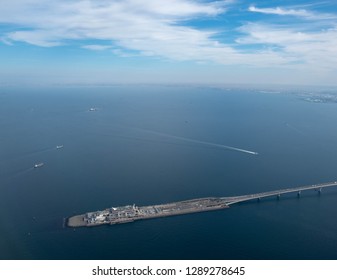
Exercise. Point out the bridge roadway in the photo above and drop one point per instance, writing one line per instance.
(236, 199)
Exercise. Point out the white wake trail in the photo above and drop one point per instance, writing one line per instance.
(201, 142)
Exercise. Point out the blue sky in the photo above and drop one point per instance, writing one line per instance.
(168, 41)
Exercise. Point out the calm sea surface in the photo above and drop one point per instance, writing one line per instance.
(126, 152)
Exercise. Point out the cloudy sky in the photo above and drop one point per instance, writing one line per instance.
(168, 41)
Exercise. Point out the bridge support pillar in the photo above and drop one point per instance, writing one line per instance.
(320, 190)
(299, 193)
(258, 199)
(278, 196)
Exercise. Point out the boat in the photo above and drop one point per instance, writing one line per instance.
(38, 165)
(93, 109)
(59, 147)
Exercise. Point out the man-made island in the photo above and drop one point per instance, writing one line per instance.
(131, 213)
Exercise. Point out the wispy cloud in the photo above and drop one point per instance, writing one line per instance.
(6, 41)
(308, 45)
(159, 28)
(310, 48)
(51, 22)
(96, 47)
(152, 28)
(303, 13)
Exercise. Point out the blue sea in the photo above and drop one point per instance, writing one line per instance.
(134, 147)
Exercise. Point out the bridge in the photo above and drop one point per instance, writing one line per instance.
(236, 199)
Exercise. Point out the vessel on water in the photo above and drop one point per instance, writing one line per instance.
(38, 165)
(59, 147)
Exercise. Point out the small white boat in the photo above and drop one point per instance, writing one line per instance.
(38, 165)
(59, 147)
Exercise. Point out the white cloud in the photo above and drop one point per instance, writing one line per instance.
(6, 41)
(96, 47)
(293, 12)
(157, 28)
(35, 37)
(127, 23)
(307, 45)
(151, 28)
(312, 48)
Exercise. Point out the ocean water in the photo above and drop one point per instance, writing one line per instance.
(127, 151)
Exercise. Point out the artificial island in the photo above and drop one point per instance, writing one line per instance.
(131, 213)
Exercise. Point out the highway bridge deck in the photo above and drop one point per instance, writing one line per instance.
(237, 199)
